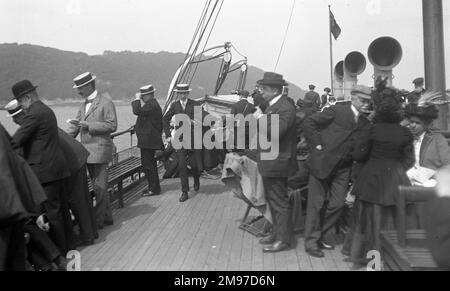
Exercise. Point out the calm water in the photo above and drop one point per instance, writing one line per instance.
(125, 116)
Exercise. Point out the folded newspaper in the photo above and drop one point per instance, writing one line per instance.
(421, 176)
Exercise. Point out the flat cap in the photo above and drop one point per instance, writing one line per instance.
(362, 91)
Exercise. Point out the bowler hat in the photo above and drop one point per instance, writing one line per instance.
(83, 80)
(13, 108)
(328, 90)
(182, 88)
(272, 79)
(22, 88)
(147, 90)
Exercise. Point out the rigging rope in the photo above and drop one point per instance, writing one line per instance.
(207, 40)
(285, 35)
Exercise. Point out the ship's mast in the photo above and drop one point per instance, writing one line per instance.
(433, 31)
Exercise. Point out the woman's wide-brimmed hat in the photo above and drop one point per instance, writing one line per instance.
(83, 80)
(430, 112)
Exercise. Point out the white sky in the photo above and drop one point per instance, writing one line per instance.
(256, 27)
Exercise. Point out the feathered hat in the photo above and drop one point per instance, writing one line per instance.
(426, 108)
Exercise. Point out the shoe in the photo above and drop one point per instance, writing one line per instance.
(109, 223)
(61, 263)
(184, 197)
(148, 193)
(197, 186)
(268, 240)
(324, 246)
(315, 253)
(96, 236)
(278, 246)
(86, 243)
(345, 253)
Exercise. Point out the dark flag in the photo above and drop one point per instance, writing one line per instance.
(334, 27)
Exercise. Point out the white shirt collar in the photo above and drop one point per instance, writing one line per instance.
(92, 96)
(355, 111)
(275, 100)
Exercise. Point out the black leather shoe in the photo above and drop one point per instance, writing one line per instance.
(315, 253)
(197, 186)
(324, 246)
(184, 197)
(86, 243)
(109, 223)
(278, 246)
(268, 240)
(96, 236)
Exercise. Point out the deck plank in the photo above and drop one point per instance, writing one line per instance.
(203, 234)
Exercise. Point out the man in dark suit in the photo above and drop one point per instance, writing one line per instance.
(419, 90)
(21, 197)
(244, 108)
(80, 201)
(184, 109)
(331, 135)
(275, 172)
(149, 133)
(313, 97)
(38, 136)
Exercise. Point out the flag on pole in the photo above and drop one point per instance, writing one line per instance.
(334, 27)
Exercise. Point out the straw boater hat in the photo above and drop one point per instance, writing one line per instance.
(13, 108)
(182, 88)
(147, 90)
(83, 80)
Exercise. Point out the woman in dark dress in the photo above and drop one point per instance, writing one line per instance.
(387, 152)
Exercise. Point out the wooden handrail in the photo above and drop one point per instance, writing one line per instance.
(117, 134)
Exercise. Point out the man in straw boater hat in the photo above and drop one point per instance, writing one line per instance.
(184, 106)
(275, 172)
(95, 121)
(149, 130)
(331, 136)
(38, 138)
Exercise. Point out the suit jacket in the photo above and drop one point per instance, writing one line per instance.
(242, 107)
(434, 151)
(76, 154)
(38, 136)
(149, 125)
(102, 121)
(285, 164)
(175, 109)
(314, 98)
(438, 230)
(21, 192)
(336, 130)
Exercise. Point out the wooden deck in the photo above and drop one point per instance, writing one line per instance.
(161, 234)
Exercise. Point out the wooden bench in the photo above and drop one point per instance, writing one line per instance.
(406, 249)
(118, 173)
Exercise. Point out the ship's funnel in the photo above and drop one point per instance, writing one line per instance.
(354, 65)
(338, 82)
(385, 53)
